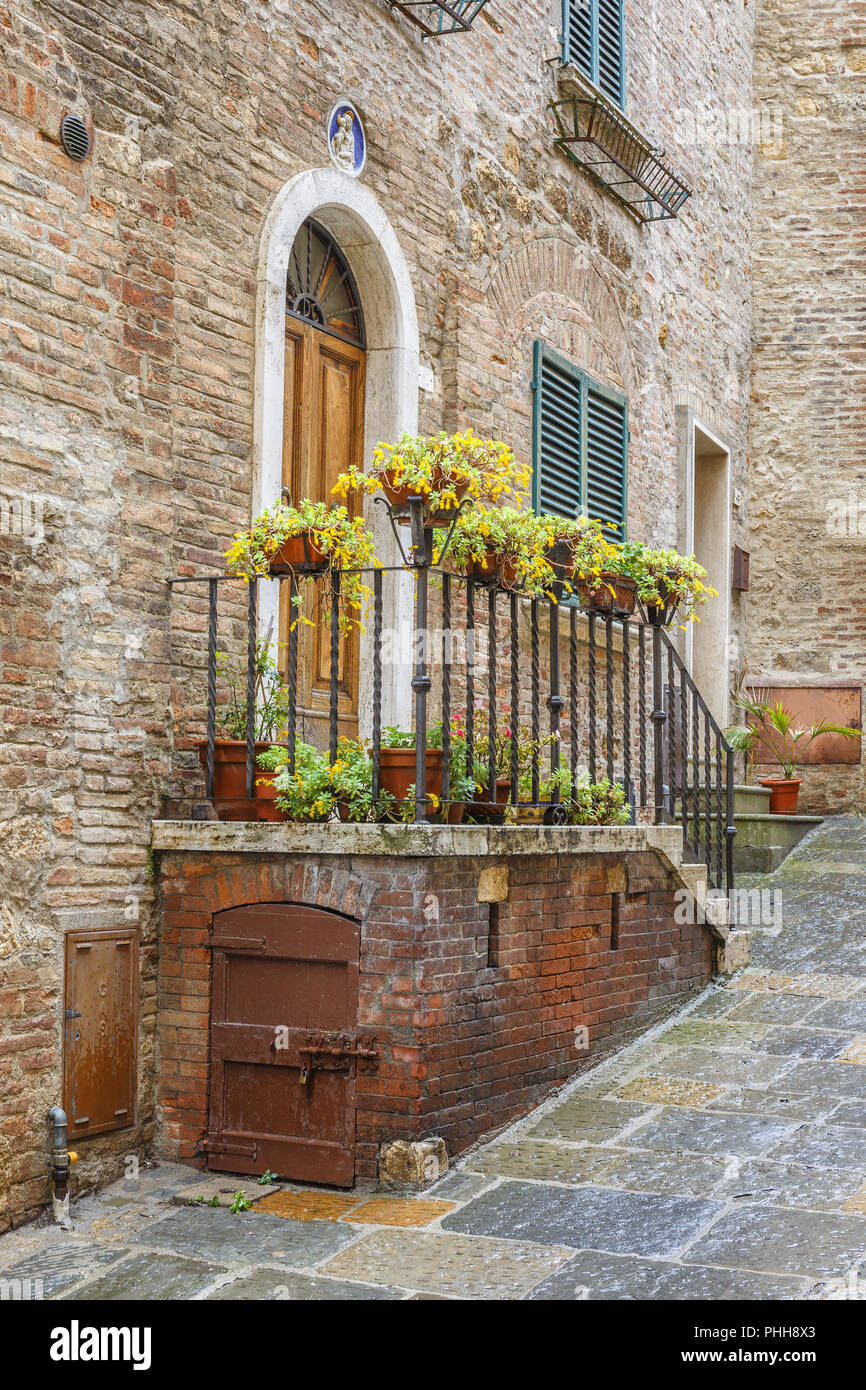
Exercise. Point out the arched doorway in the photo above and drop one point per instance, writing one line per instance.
(323, 435)
(357, 223)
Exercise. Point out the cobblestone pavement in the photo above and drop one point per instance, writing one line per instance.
(720, 1157)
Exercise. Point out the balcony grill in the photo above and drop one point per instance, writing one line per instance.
(436, 18)
(593, 133)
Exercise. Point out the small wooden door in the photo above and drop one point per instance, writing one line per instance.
(99, 1054)
(281, 1097)
(323, 432)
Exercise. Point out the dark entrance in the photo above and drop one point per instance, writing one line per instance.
(284, 1049)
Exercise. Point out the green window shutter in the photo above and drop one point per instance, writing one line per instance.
(606, 458)
(594, 40)
(558, 428)
(610, 50)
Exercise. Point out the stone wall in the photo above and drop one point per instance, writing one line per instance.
(476, 1007)
(128, 369)
(806, 619)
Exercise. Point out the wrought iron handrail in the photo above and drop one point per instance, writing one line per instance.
(598, 716)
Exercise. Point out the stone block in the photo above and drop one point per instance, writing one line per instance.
(409, 1165)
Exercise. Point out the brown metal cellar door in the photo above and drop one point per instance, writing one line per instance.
(284, 1046)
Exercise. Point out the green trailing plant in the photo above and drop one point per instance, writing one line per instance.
(271, 700)
(306, 794)
(441, 468)
(342, 542)
(665, 576)
(598, 803)
(772, 728)
(519, 540)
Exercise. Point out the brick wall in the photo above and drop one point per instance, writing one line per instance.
(806, 616)
(127, 367)
(472, 1031)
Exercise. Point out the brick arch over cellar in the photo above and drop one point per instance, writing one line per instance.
(552, 267)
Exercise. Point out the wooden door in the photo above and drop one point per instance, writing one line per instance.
(285, 1008)
(99, 1054)
(323, 433)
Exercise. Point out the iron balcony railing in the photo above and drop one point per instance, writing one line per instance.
(436, 18)
(593, 133)
(605, 695)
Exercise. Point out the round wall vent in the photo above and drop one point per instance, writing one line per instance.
(75, 137)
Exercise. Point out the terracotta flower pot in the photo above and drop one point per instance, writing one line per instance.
(398, 495)
(608, 593)
(296, 551)
(230, 800)
(397, 771)
(670, 602)
(493, 569)
(784, 794)
(266, 792)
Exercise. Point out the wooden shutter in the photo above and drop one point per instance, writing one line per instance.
(578, 35)
(594, 42)
(558, 429)
(610, 50)
(606, 457)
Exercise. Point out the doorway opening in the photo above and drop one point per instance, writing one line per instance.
(708, 534)
(323, 436)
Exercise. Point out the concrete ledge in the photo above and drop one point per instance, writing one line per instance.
(414, 841)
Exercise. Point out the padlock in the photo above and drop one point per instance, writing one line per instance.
(304, 1075)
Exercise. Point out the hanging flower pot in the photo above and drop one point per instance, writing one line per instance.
(784, 794)
(297, 551)
(492, 569)
(613, 594)
(662, 615)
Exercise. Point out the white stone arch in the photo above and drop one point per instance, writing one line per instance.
(350, 212)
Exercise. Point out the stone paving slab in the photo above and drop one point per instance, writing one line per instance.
(309, 1206)
(687, 1174)
(460, 1186)
(285, 1285)
(726, 1066)
(212, 1233)
(850, 1112)
(398, 1211)
(804, 1042)
(840, 1079)
(591, 1277)
(776, 1008)
(222, 1190)
(718, 1031)
(538, 1158)
(696, 1131)
(454, 1265)
(663, 1090)
(831, 1146)
(781, 1184)
(586, 1218)
(592, 1120)
(787, 1242)
(850, 1014)
(152, 1278)
(773, 1105)
(64, 1262)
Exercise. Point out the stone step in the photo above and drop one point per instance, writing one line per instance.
(751, 800)
(763, 842)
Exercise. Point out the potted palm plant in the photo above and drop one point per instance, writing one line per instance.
(771, 727)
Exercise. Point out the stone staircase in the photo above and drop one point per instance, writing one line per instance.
(763, 841)
(732, 945)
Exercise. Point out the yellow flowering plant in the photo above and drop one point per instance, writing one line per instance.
(506, 544)
(443, 469)
(326, 539)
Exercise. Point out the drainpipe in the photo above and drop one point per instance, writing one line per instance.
(60, 1161)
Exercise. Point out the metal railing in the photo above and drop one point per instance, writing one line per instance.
(599, 694)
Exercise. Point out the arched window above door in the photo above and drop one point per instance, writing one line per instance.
(320, 287)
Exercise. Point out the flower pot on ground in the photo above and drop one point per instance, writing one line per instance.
(784, 794)
(771, 727)
(230, 799)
